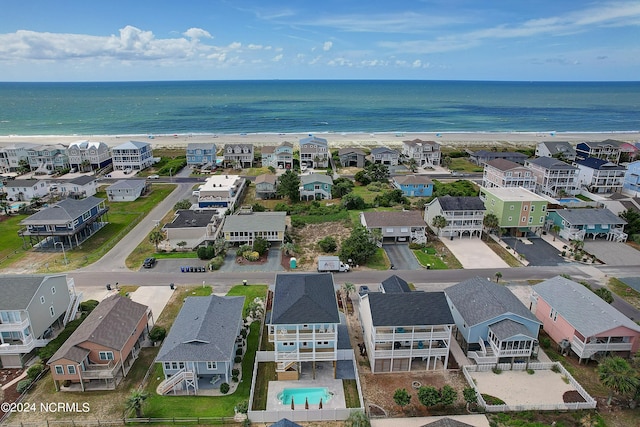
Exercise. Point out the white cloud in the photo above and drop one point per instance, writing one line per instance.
(327, 46)
(197, 34)
(277, 58)
(252, 46)
(417, 64)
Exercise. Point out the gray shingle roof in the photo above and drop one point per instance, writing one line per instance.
(395, 284)
(478, 300)
(598, 164)
(132, 145)
(382, 150)
(394, 219)
(447, 422)
(21, 183)
(556, 147)
(451, 203)
(285, 423)
(585, 311)
(110, 325)
(82, 180)
(503, 164)
(350, 150)
(187, 218)
(63, 211)
(266, 177)
(304, 298)
(413, 180)
(590, 216)
(257, 221)
(507, 328)
(126, 184)
(205, 330)
(17, 291)
(316, 177)
(408, 309)
(551, 163)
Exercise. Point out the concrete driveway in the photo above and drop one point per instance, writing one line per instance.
(401, 257)
(612, 253)
(537, 251)
(474, 253)
(273, 263)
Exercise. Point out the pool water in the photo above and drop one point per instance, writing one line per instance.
(569, 200)
(300, 395)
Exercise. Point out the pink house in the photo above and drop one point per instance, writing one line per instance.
(574, 316)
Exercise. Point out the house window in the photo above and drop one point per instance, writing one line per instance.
(71, 369)
(212, 366)
(510, 218)
(180, 365)
(533, 208)
(174, 365)
(41, 299)
(530, 220)
(106, 355)
(167, 366)
(525, 207)
(511, 207)
(524, 219)
(59, 370)
(553, 314)
(52, 311)
(53, 290)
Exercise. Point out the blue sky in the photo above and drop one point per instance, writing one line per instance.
(72, 40)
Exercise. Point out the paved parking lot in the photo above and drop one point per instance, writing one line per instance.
(612, 253)
(538, 252)
(401, 257)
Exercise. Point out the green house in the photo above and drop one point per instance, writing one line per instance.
(519, 211)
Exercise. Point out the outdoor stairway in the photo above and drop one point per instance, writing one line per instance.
(72, 309)
(168, 384)
(284, 366)
(483, 357)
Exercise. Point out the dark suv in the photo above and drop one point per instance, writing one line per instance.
(149, 262)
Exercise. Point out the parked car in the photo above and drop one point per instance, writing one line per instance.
(149, 262)
(153, 177)
(363, 290)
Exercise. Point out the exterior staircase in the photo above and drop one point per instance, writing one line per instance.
(169, 383)
(485, 356)
(286, 366)
(72, 309)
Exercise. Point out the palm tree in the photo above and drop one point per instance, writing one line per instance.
(289, 248)
(136, 400)
(446, 161)
(36, 202)
(618, 376)
(348, 288)
(439, 222)
(498, 276)
(4, 205)
(556, 230)
(412, 164)
(357, 419)
(155, 237)
(490, 222)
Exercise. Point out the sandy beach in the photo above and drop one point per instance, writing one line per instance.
(451, 140)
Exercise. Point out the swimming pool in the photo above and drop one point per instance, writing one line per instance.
(568, 200)
(300, 395)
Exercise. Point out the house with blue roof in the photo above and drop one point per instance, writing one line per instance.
(492, 324)
(631, 184)
(303, 326)
(414, 185)
(199, 352)
(608, 150)
(599, 176)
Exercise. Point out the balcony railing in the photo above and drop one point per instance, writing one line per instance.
(408, 336)
(99, 371)
(27, 345)
(585, 350)
(302, 336)
(306, 356)
(412, 352)
(18, 326)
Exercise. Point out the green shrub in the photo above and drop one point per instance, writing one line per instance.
(496, 370)
(235, 372)
(328, 244)
(234, 378)
(556, 369)
(157, 334)
(297, 223)
(238, 359)
(217, 262)
(224, 388)
(206, 252)
(545, 343)
(47, 351)
(23, 385)
(530, 371)
(251, 255)
(88, 305)
(34, 371)
(239, 352)
(261, 246)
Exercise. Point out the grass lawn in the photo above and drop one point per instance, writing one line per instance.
(171, 310)
(461, 164)
(625, 292)
(503, 253)
(368, 195)
(428, 257)
(379, 261)
(351, 397)
(10, 243)
(122, 217)
(175, 255)
(169, 406)
(256, 171)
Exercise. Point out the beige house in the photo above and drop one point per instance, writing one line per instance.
(504, 173)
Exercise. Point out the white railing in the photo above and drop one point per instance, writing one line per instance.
(306, 356)
(482, 360)
(100, 371)
(302, 336)
(510, 352)
(72, 309)
(169, 383)
(27, 345)
(589, 349)
(408, 336)
(18, 326)
(424, 352)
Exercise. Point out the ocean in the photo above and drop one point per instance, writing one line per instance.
(348, 106)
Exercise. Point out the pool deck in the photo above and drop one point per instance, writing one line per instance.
(333, 386)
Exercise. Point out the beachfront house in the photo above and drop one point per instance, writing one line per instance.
(102, 350)
(463, 215)
(554, 177)
(631, 184)
(384, 156)
(492, 325)
(561, 150)
(201, 154)
(352, 157)
(132, 155)
(279, 156)
(576, 318)
(413, 185)
(315, 186)
(396, 226)
(23, 190)
(580, 224)
(238, 155)
(599, 176)
(198, 353)
(33, 309)
(519, 210)
(481, 157)
(88, 155)
(608, 150)
(425, 153)
(266, 186)
(11, 156)
(245, 228)
(221, 192)
(314, 152)
(303, 325)
(69, 222)
(76, 188)
(405, 331)
(194, 227)
(505, 174)
(46, 159)
(127, 190)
